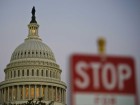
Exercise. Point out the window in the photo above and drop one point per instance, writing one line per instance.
(14, 73)
(50, 74)
(32, 72)
(42, 73)
(22, 72)
(46, 73)
(37, 73)
(7, 74)
(53, 74)
(11, 74)
(27, 72)
(18, 73)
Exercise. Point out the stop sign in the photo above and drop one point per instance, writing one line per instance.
(103, 82)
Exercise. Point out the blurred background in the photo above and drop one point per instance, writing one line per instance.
(72, 26)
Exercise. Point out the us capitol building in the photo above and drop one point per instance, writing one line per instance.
(32, 72)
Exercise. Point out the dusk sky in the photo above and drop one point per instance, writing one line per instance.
(73, 26)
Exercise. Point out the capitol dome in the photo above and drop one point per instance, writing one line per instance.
(33, 48)
(33, 73)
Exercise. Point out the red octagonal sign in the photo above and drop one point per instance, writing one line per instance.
(108, 81)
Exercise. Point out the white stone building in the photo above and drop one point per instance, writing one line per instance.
(33, 72)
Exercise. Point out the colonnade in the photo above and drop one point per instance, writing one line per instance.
(27, 92)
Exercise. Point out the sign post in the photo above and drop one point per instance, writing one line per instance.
(102, 79)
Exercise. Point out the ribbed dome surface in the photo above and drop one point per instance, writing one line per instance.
(33, 48)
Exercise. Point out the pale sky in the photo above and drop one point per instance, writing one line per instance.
(72, 26)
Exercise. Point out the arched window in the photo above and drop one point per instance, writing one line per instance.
(7, 75)
(27, 72)
(37, 72)
(11, 74)
(18, 73)
(32, 72)
(53, 74)
(14, 73)
(50, 73)
(42, 73)
(22, 72)
(46, 73)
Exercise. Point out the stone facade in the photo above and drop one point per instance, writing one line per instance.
(33, 73)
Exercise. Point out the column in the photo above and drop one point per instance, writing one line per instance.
(4, 94)
(35, 92)
(47, 92)
(17, 92)
(62, 96)
(41, 91)
(8, 94)
(15, 89)
(12, 98)
(23, 92)
(29, 91)
(56, 93)
(51, 92)
(59, 94)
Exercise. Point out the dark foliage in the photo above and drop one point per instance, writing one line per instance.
(31, 102)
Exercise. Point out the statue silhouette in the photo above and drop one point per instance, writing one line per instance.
(33, 20)
(33, 11)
